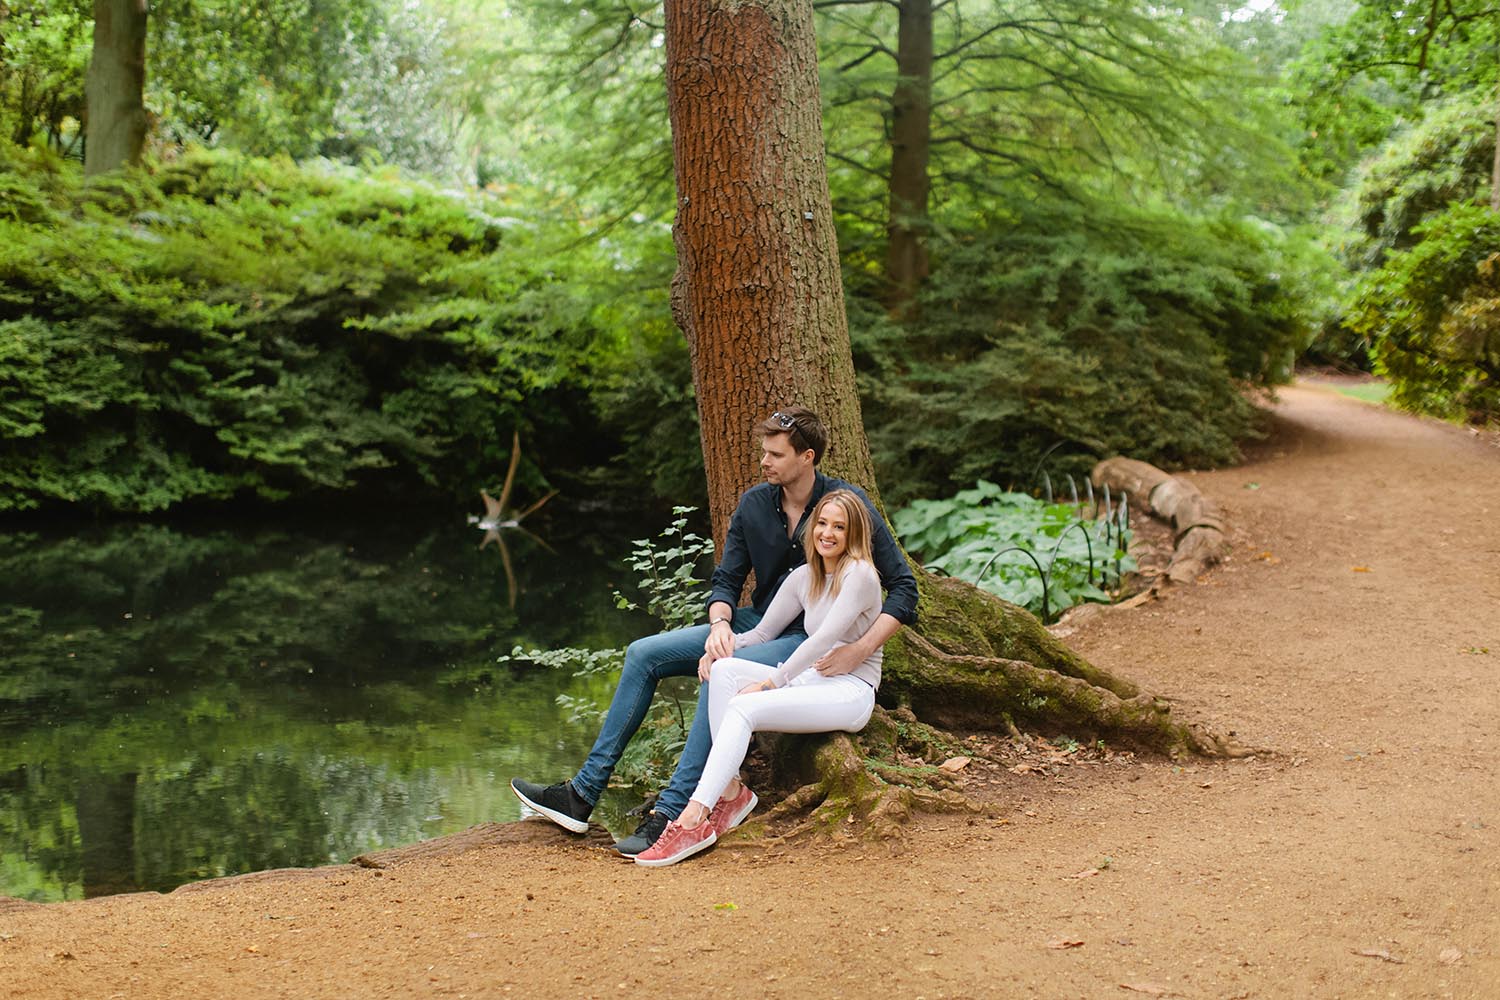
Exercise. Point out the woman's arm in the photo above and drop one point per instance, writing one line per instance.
(783, 610)
(859, 595)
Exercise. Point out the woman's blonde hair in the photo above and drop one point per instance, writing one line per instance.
(857, 536)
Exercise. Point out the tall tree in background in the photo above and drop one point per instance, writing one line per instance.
(116, 131)
(944, 107)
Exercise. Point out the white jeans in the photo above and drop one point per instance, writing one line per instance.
(811, 703)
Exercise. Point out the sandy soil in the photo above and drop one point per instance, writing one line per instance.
(1354, 635)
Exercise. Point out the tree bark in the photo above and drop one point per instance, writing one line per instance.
(115, 88)
(911, 144)
(1495, 173)
(758, 291)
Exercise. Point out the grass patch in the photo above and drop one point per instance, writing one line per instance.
(1370, 392)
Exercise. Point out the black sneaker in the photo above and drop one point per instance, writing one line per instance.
(645, 835)
(558, 802)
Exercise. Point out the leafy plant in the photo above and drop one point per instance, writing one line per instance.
(1121, 331)
(1040, 555)
(668, 574)
(1432, 313)
(668, 568)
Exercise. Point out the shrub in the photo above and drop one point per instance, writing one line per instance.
(222, 326)
(1057, 341)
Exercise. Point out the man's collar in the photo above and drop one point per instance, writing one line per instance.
(819, 487)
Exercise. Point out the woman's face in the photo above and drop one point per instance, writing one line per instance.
(831, 533)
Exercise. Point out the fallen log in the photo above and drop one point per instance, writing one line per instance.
(1197, 524)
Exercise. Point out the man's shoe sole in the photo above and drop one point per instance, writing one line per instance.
(702, 845)
(632, 853)
(561, 819)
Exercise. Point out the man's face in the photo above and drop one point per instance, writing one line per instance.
(780, 462)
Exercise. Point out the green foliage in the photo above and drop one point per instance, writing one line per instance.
(1433, 312)
(668, 569)
(44, 53)
(1420, 242)
(1071, 337)
(1097, 98)
(219, 326)
(1370, 67)
(1448, 157)
(668, 566)
(967, 536)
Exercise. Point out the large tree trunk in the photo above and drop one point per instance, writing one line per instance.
(758, 291)
(115, 88)
(911, 144)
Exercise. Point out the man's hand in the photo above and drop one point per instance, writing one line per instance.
(842, 659)
(839, 660)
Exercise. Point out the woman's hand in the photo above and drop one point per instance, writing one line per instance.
(753, 688)
(705, 664)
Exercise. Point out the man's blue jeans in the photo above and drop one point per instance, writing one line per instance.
(647, 661)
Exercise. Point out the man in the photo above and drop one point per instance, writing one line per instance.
(765, 534)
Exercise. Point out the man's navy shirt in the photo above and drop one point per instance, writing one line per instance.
(758, 540)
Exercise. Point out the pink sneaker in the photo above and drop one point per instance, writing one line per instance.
(730, 813)
(678, 842)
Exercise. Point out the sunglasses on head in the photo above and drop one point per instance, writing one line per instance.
(783, 421)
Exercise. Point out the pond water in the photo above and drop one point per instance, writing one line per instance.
(179, 703)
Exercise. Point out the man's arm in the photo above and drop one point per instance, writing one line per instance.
(728, 579)
(895, 573)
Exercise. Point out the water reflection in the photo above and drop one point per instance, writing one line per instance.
(181, 704)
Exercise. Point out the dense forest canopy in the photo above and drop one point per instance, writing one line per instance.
(367, 240)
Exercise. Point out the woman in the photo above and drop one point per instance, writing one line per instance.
(838, 593)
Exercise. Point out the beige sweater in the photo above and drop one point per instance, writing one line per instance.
(830, 622)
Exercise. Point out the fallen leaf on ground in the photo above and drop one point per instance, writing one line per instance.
(954, 764)
(1379, 953)
(1061, 943)
(725, 906)
(1086, 873)
(1361, 569)
(1450, 956)
(1148, 988)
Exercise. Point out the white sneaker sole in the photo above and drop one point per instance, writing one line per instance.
(561, 819)
(702, 845)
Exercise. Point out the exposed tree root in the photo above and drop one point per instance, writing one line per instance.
(862, 786)
(973, 662)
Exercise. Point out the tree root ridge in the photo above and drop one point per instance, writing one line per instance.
(857, 789)
(973, 689)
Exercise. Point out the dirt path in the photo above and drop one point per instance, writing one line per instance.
(1357, 859)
